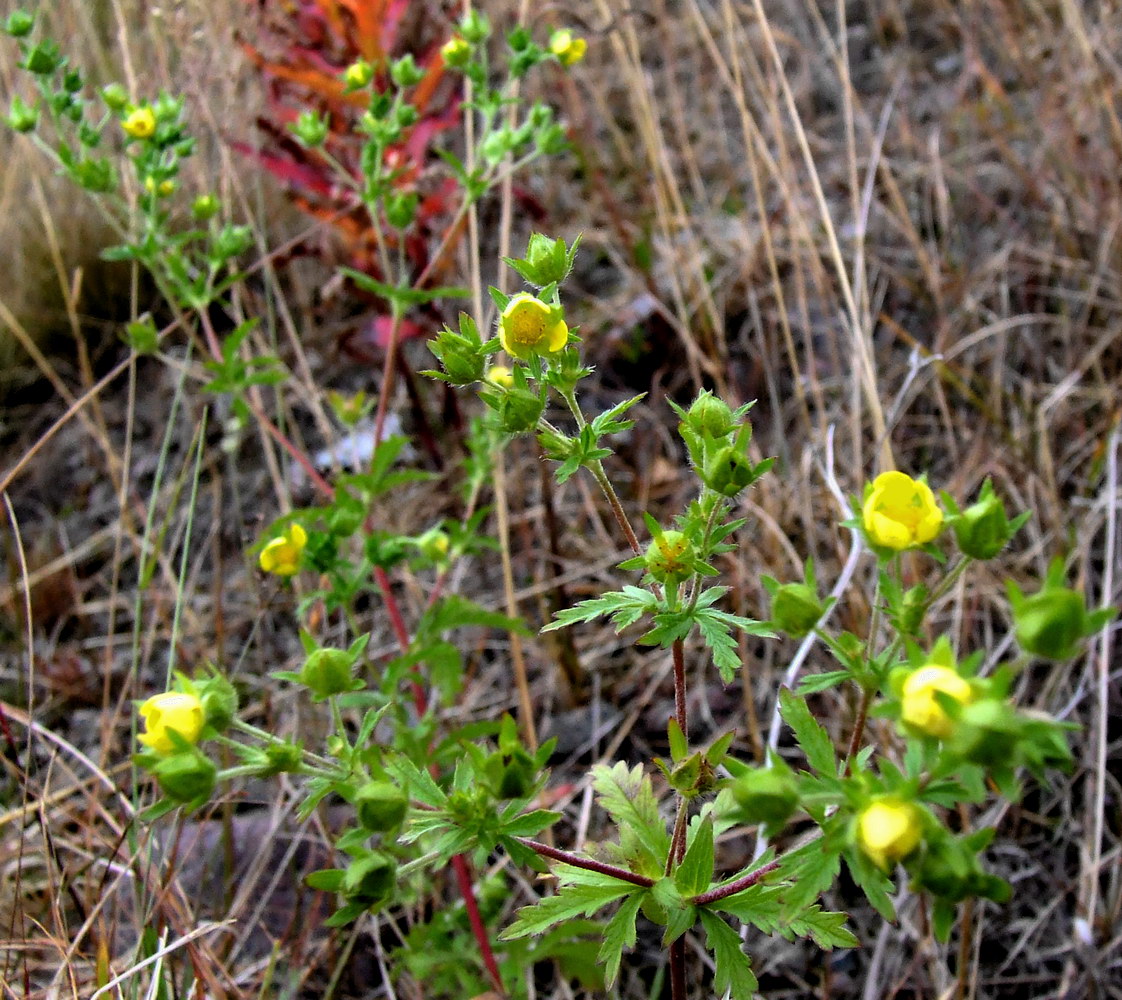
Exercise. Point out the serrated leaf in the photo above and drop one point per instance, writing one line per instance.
(821, 682)
(570, 901)
(455, 611)
(619, 934)
(628, 798)
(813, 739)
(420, 783)
(622, 607)
(695, 872)
(734, 969)
(826, 928)
(873, 882)
(726, 656)
(530, 824)
(812, 869)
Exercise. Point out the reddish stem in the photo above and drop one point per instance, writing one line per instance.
(588, 864)
(475, 918)
(680, 685)
(732, 888)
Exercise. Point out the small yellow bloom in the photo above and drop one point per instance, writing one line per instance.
(172, 711)
(141, 123)
(568, 48)
(456, 51)
(163, 188)
(500, 375)
(900, 512)
(889, 830)
(921, 709)
(282, 555)
(358, 74)
(528, 326)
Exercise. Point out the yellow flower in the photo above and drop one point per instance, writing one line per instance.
(282, 555)
(889, 830)
(456, 51)
(568, 48)
(358, 74)
(172, 711)
(921, 709)
(900, 512)
(528, 326)
(500, 375)
(141, 123)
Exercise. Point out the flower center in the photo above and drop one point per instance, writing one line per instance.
(527, 326)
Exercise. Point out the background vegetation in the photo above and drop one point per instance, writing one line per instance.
(896, 225)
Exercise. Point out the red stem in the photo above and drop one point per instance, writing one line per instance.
(478, 928)
(732, 888)
(680, 685)
(588, 864)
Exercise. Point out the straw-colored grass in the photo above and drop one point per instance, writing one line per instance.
(896, 226)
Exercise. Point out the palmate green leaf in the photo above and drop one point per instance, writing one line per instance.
(570, 901)
(813, 739)
(726, 656)
(734, 969)
(455, 611)
(622, 607)
(627, 796)
(619, 934)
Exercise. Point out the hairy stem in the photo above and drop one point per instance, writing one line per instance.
(588, 864)
(475, 918)
(737, 885)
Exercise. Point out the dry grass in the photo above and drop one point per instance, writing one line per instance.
(896, 227)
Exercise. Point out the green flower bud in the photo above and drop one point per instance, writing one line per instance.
(219, 699)
(765, 795)
(986, 733)
(460, 354)
(327, 672)
(310, 128)
(519, 410)
(546, 261)
(22, 117)
(19, 23)
(516, 779)
(1052, 623)
(204, 207)
(115, 96)
(231, 241)
(405, 72)
(475, 27)
(983, 530)
(281, 758)
(434, 545)
(42, 59)
(380, 806)
(186, 777)
(710, 415)
(95, 175)
(456, 52)
(728, 472)
(401, 209)
(370, 879)
(795, 609)
(670, 557)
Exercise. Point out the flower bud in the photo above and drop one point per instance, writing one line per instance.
(19, 23)
(186, 777)
(795, 608)
(115, 96)
(519, 410)
(888, 830)
(168, 712)
(310, 128)
(670, 557)
(42, 59)
(231, 241)
(987, 733)
(547, 260)
(204, 207)
(500, 375)
(920, 709)
(434, 545)
(475, 27)
(380, 806)
(327, 672)
(900, 512)
(22, 117)
(219, 700)
(708, 414)
(983, 530)
(401, 209)
(370, 879)
(405, 72)
(281, 758)
(460, 354)
(1050, 624)
(567, 47)
(765, 795)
